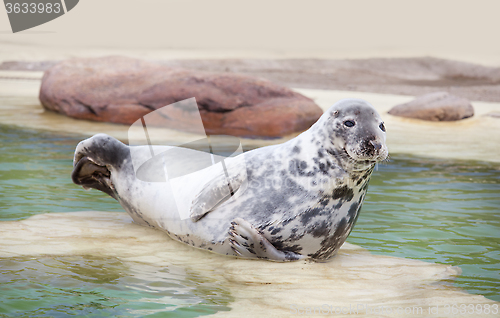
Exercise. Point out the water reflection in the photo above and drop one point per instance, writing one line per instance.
(92, 286)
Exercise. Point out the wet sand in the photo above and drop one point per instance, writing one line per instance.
(354, 278)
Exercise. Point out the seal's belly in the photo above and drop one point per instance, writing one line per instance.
(320, 231)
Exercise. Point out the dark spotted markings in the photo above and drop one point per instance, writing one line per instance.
(353, 210)
(332, 242)
(299, 167)
(309, 214)
(343, 192)
(320, 229)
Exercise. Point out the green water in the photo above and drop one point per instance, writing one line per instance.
(35, 176)
(103, 287)
(35, 169)
(432, 210)
(437, 211)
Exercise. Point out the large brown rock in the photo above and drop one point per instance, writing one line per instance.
(440, 106)
(122, 90)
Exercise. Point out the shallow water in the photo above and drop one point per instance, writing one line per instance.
(101, 287)
(35, 174)
(437, 211)
(432, 210)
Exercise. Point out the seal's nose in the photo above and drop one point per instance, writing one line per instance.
(376, 145)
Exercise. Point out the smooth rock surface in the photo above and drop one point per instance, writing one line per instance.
(401, 76)
(354, 277)
(439, 106)
(122, 90)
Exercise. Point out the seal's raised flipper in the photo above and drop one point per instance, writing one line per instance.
(217, 191)
(94, 157)
(247, 241)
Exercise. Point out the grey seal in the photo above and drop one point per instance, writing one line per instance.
(300, 199)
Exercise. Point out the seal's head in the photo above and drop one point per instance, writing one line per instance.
(355, 128)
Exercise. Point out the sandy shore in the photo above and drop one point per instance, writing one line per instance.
(354, 277)
(326, 29)
(475, 138)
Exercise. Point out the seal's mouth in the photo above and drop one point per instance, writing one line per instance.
(366, 156)
(87, 173)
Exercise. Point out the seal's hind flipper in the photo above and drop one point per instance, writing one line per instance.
(217, 191)
(247, 241)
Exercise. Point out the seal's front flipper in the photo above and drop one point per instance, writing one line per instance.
(217, 191)
(246, 241)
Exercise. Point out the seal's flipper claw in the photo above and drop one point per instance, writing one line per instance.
(248, 242)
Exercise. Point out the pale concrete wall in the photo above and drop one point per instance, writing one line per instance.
(460, 29)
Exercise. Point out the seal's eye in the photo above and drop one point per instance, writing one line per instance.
(382, 127)
(349, 123)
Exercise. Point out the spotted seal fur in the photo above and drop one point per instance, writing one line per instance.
(301, 200)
